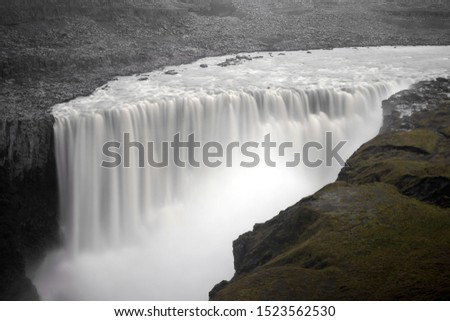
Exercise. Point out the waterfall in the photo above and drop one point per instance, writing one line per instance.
(104, 207)
(147, 233)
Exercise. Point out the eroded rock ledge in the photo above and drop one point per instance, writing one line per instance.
(380, 232)
(28, 200)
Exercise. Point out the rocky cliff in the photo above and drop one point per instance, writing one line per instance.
(380, 232)
(28, 198)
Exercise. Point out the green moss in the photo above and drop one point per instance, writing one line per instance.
(402, 172)
(421, 139)
(373, 244)
(403, 159)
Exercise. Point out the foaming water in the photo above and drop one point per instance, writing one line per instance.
(166, 234)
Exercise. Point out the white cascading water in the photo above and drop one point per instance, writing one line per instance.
(166, 233)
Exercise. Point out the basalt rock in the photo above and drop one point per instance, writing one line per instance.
(28, 200)
(171, 72)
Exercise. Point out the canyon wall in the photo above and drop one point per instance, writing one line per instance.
(28, 201)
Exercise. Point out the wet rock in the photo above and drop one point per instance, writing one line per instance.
(204, 66)
(171, 72)
(28, 200)
(239, 59)
(230, 62)
(243, 57)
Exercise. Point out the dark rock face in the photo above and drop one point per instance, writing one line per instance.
(381, 232)
(28, 200)
(239, 59)
(14, 284)
(25, 144)
(171, 72)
